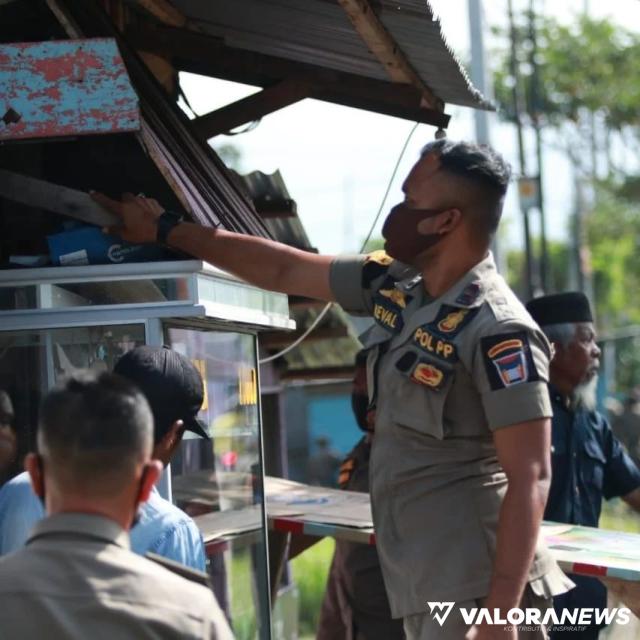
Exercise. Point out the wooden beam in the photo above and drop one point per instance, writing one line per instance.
(206, 55)
(164, 11)
(386, 49)
(279, 339)
(252, 108)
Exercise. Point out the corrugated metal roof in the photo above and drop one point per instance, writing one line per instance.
(319, 32)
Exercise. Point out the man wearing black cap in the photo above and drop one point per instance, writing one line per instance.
(175, 393)
(588, 462)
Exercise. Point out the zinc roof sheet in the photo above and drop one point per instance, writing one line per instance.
(319, 32)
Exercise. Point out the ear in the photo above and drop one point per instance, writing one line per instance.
(171, 439)
(150, 474)
(447, 221)
(33, 466)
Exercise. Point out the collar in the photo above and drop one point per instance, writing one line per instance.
(470, 289)
(81, 525)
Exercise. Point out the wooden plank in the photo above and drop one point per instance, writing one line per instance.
(164, 11)
(65, 88)
(251, 108)
(386, 49)
(278, 339)
(205, 55)
(53, 197)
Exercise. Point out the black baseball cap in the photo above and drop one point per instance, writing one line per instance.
(171, 384)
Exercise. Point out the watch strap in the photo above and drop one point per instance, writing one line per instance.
(167, 221)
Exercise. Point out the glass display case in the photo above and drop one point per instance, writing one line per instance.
(53, 321)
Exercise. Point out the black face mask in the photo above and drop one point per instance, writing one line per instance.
(400, 230)
(359, 404)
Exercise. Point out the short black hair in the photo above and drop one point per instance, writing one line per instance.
(94, 428)
(485, 172)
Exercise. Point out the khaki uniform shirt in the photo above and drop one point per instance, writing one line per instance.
(77, 578)
(444, 374)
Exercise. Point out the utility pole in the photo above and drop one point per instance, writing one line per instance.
(536, 109)
(482, 82)
(478, 69)
(518, 108)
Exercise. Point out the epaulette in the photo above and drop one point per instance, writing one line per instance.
(200, 577)
(375, 265)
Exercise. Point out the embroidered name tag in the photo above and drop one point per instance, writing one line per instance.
(388, 305)
(434, 345)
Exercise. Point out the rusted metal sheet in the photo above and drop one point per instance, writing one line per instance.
(65, 88)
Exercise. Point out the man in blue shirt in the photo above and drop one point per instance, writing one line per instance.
(174, 390)
(588, 462)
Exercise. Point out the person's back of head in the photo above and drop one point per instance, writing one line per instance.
(477, 179)
(95, 439)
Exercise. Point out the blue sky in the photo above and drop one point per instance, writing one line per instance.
(337, 161)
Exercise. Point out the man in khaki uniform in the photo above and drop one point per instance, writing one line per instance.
(77, 577)
(457, 372)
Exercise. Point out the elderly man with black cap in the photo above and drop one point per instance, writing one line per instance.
(588, 462)
(174, 389)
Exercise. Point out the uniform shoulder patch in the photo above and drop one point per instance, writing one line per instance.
(508, 359)
(376, 264)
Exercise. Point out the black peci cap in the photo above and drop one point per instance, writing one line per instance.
(572, 307)
(171, 384)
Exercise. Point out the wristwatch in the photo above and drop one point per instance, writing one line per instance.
(167, 221)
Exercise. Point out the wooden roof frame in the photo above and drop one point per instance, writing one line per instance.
(284, 81)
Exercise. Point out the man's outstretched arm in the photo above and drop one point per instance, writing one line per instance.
(264, 263)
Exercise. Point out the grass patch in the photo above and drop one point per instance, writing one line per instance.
(310, 571)
(619, 516)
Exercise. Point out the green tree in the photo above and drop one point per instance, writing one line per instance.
(581, 88)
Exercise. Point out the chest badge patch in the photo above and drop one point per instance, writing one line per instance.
(423, 371)
(451, 321)
(427, 374)
(508, 360)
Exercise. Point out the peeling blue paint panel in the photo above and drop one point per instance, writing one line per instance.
(65, 88)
